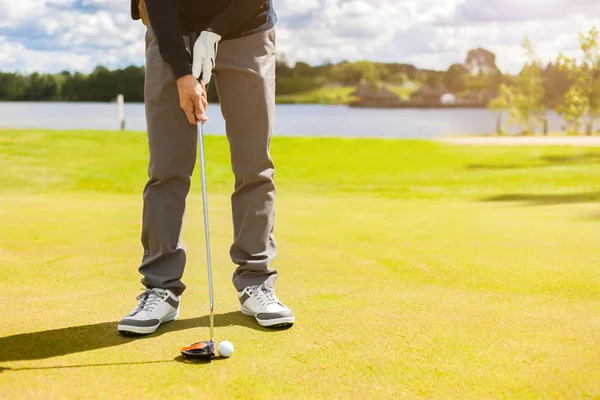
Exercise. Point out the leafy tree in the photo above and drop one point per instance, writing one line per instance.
(454, 78)
(523, 99)
(130, 83)
(530, 85)
(504, 103)
(352, 73)
(41, 87)
(304, 70)
(297, 85)
(12, 86)
(434, 79)
(282, 68)
(399, 78)
(408, 69)
(481, 62)
(481, 65)
(556, 85)
(582, 100)
(75, 87)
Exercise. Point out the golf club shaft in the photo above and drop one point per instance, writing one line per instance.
(206, 230)
(193, 36)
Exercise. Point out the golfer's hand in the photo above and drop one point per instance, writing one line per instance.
(192, 99)
(205, 54)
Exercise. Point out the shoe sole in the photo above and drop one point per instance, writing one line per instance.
(145, 330)
(283, 322)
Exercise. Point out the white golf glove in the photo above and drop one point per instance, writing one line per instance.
(205, 54)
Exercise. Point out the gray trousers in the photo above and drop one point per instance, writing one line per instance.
(245, 76)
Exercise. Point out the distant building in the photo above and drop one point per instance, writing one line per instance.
(426, 97)
(430, 95)
(367, 96)
(448, 99)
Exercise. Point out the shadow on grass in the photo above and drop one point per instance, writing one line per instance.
(591, 217)
(585, 158)
(544, 161)
(188, 361)
(59, 342)
(497, 166)
(547, 199)
(179, 359)
(2, 369)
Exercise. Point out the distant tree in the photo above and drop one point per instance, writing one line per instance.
(582, 100)
(12, 86)
(524, 98)
(398, 78)
(61, 79)
(408, 69)
(323, 70)
(556, 85)
(339, 73)
(384, 73)
(75, 87)
(481, 62)
(130, 83)
(304, 70)
(282, 67)
(481, 65)
(504, 102)
(41, 87)
(434, 79)
(100, 85)
(420, 76)
(352, 73)
(454, 78)
(530, 84)
(297, 85)
(369, 72)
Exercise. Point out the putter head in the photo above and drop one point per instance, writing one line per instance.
(204, 350)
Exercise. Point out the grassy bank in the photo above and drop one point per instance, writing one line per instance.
(333, 95)
(415, 269)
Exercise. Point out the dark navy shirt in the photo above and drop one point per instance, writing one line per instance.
(171, 19)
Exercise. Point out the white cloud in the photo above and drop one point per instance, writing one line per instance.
(436, 33)
(51, 35)
(56, 35)
(9, 52)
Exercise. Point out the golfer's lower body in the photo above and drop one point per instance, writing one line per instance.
(245, 76)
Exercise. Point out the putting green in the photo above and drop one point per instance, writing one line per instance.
(415, 270)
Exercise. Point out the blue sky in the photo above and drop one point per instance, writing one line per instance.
(54, 35)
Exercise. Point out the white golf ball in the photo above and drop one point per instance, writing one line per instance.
(225, 348)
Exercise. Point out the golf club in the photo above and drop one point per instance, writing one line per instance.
(204, 349)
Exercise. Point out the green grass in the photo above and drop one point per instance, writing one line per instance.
(415, 270)
(324, 95)
(403, 91)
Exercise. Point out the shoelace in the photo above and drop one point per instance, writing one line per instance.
(148, 300)
(265, 296)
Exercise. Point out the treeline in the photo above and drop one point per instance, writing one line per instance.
(299, 77)
(103, 84)
(478, 73)
(100, 85)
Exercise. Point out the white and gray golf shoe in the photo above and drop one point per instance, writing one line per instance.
(261, 303)
(155, 306)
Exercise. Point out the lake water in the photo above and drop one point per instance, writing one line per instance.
(292, 120)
